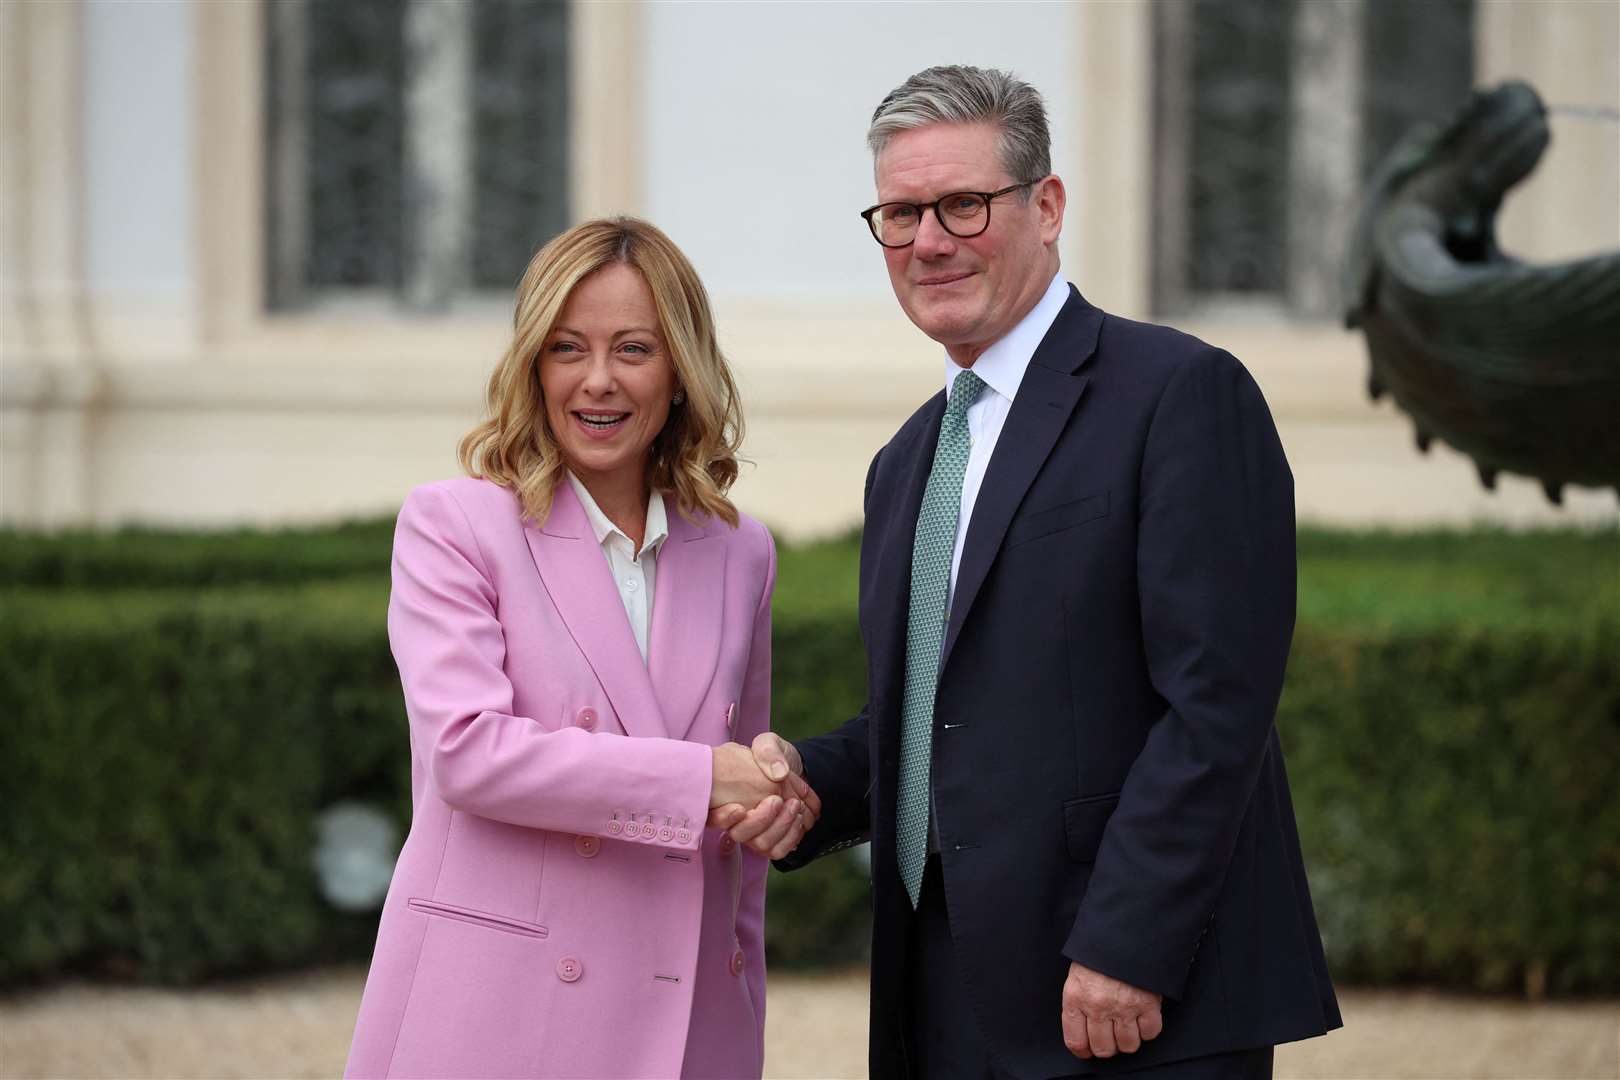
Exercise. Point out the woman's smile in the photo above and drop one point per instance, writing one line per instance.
(600, 425)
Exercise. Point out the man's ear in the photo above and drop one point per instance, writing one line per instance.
(1050, 199)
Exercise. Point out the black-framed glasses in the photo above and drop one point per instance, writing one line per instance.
(961, 213)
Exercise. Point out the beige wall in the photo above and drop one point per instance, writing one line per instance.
(813, 430)
(219, 413)
(1569, 50)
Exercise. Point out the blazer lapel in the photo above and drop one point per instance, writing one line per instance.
(683, 644)
(891, 588)
(1047, 398)
(580, 583)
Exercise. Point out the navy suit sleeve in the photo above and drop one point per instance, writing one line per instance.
(1216, 581)
(837, 766)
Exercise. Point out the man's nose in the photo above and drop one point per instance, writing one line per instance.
(932, 240)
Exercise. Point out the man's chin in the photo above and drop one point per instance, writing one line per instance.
(946, 324)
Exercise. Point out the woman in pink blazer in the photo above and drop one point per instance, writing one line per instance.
(583, 632)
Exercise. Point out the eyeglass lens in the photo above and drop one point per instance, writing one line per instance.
(962, 214)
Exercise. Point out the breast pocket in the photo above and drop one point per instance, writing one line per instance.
(1033, 525)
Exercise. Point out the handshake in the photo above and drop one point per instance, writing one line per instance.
(760, 797)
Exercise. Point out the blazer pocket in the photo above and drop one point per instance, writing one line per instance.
(1067, 515)
(1084, 820)
(477, 918)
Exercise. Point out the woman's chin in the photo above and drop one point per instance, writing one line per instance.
(606, 462)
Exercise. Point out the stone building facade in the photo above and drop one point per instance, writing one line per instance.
(256, 257)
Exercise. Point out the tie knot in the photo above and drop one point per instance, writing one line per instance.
(964, 392)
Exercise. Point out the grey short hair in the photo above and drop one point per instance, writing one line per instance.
(957, 94)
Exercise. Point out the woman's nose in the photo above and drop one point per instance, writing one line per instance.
(599, 378)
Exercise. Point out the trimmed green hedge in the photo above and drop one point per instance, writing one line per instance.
(167, 758)
(1456, 796)
(163, 558)
(1452, 719)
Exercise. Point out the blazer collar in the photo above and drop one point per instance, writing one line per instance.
(683, 643)
(1072, 341)
(602, 527)
(1047, 398)
(899, 501)
(658, 698)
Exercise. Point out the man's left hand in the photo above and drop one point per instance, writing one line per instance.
(1102, 1016)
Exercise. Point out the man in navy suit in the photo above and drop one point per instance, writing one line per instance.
(1077, 596)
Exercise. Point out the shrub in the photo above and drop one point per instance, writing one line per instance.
(166, 558)
(1452, 719)
(1456, 798)
(172, 749)
(167, 762)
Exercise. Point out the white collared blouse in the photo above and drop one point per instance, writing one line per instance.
(634, 572)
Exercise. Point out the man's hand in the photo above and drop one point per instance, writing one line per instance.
(775, 825)
(738, 779)
(1103, 1015)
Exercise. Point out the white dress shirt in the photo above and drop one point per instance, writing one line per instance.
(633, 571)
(1002, 368)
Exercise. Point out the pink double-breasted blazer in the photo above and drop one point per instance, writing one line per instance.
(559, 908)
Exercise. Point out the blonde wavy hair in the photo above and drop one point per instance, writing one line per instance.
(694, 457)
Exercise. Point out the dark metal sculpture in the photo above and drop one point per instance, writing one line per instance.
(1514, 364)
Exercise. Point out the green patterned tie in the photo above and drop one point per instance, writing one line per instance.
(931, 551)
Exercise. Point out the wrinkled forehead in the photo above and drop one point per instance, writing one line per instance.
(939, 158)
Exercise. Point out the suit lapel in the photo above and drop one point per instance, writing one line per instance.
(1047, 398)
(901, 501)
(580, 583)
(683, 644)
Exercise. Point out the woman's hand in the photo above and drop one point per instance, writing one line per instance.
(780, 818)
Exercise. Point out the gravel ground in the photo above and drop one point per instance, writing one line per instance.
(298, 1026)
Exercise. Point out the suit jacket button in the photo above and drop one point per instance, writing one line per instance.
(587, 846)
(731, 718)
(666, 834)
(569, 969)
(727, 844)
(649, 830)
(615, 828)
(737, 962)
(683, 836)
(586, 718)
